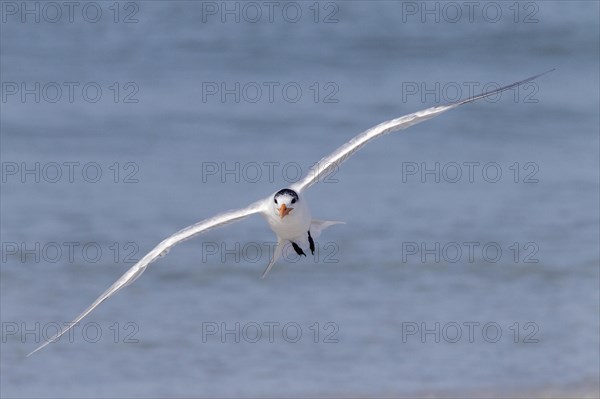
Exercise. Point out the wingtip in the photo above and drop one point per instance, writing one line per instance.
(542, 74)
(37, 349)
(496, 91)
(264, 274)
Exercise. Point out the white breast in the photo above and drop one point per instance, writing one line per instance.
(295, 224)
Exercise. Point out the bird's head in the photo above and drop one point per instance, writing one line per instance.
(284, 201)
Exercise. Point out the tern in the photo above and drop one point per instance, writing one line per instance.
(286, 211)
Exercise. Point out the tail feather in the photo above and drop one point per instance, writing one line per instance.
(276, 255)
(317, 226)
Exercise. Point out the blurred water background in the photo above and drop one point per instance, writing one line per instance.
(187, 109)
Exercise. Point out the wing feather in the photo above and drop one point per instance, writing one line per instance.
(160, 250)
(332, 162)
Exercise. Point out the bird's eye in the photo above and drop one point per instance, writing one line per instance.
(293, 200)
(275, 199)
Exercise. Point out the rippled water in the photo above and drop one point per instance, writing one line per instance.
(469, 261)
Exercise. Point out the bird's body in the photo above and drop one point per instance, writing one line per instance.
(289, 217)
(286, 211)
(295, 223)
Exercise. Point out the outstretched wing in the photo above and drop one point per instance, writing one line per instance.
(160, 250)
(331, 162)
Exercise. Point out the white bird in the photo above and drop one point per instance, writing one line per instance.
(286, 211)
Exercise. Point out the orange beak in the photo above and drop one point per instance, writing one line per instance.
(283, 210)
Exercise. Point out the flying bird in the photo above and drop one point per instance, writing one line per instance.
(286, 211)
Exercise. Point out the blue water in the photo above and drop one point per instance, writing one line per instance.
(382, 311)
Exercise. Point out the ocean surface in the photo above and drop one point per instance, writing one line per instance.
(469, 261)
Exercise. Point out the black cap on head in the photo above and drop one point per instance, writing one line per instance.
(287, 191)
